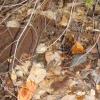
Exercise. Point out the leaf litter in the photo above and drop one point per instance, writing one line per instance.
(65, 68)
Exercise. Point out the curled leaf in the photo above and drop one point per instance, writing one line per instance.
(77, 48)
(27, 91)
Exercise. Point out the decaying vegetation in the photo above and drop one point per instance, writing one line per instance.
(50, 49)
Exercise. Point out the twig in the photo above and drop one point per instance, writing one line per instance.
(66, 29)
(10, 14)
(87, 51)
(14, 5)
(5, 88)
(96, 30)
(20, 36)
(7, 47)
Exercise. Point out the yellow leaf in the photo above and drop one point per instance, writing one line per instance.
(64, 21)
(77, 48)
(27, 91)
(98, 87)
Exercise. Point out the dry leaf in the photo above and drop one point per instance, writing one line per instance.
(98, 87)
(77, 48)
(75, 59)
(98, 63)
(37, 74)
(69, 97)
(64, 21)
(80, 93)
(13, 23)
(49, 14)
(45, 85)
(22, 69)
(49, 56)
(39, 92)
(41, 48)
(27, 91)
(91, 96)
(53, 56)
(13, 76)
(29, 12)
(51, 97)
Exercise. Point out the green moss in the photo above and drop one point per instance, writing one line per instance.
(89, 3)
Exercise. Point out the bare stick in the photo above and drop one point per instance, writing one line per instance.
(66, 29)
(14, 5)
(18, 40)
(87, 51)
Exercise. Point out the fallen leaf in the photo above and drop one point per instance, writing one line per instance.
(96, 75)
(37, 74)
(77, 48)
(98, 63)
(13, 24)
(64, 21)
(30, 11)
(53, 56)
(39, 92)
(98, 87)
(60, 84)
(49, 14)
(41, 48)
(22, 69)
(49, 56)
(51, 97)
(91, 96)
(80, 93)
(13, 76)
(27, 91)
(76, 58)
(69, 97)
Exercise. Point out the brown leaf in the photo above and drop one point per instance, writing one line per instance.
(64, 21)
(49, 56)
(77, 48)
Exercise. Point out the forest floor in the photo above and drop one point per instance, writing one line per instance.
(49, 50)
